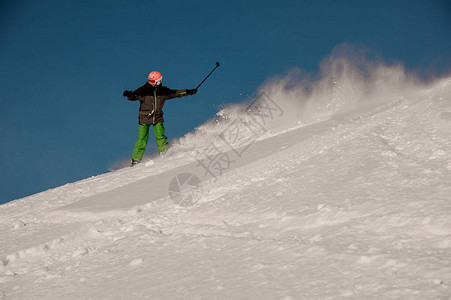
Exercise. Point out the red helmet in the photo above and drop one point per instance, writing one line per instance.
(155, 78)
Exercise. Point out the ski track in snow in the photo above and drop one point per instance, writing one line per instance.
(357, 208)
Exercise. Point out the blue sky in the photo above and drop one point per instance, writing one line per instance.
(65, 64)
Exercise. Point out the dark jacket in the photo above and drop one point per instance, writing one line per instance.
(152, 101)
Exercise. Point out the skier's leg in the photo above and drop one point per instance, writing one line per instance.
(141, 143)
(162, 140)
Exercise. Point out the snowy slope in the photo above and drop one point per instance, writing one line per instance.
(331, 197)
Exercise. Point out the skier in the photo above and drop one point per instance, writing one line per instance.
(152, 97)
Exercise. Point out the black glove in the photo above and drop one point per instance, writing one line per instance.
(191, 92)
(128, 94)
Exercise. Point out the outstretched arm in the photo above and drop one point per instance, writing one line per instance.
(130, 95)
(181, 93)
(135, 95)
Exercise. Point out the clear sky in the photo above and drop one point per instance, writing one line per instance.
(65, 64)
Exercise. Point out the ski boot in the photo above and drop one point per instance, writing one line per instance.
(134, 162)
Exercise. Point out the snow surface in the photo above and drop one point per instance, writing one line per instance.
(334, 189)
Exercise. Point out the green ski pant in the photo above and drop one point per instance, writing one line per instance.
(143, 137)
